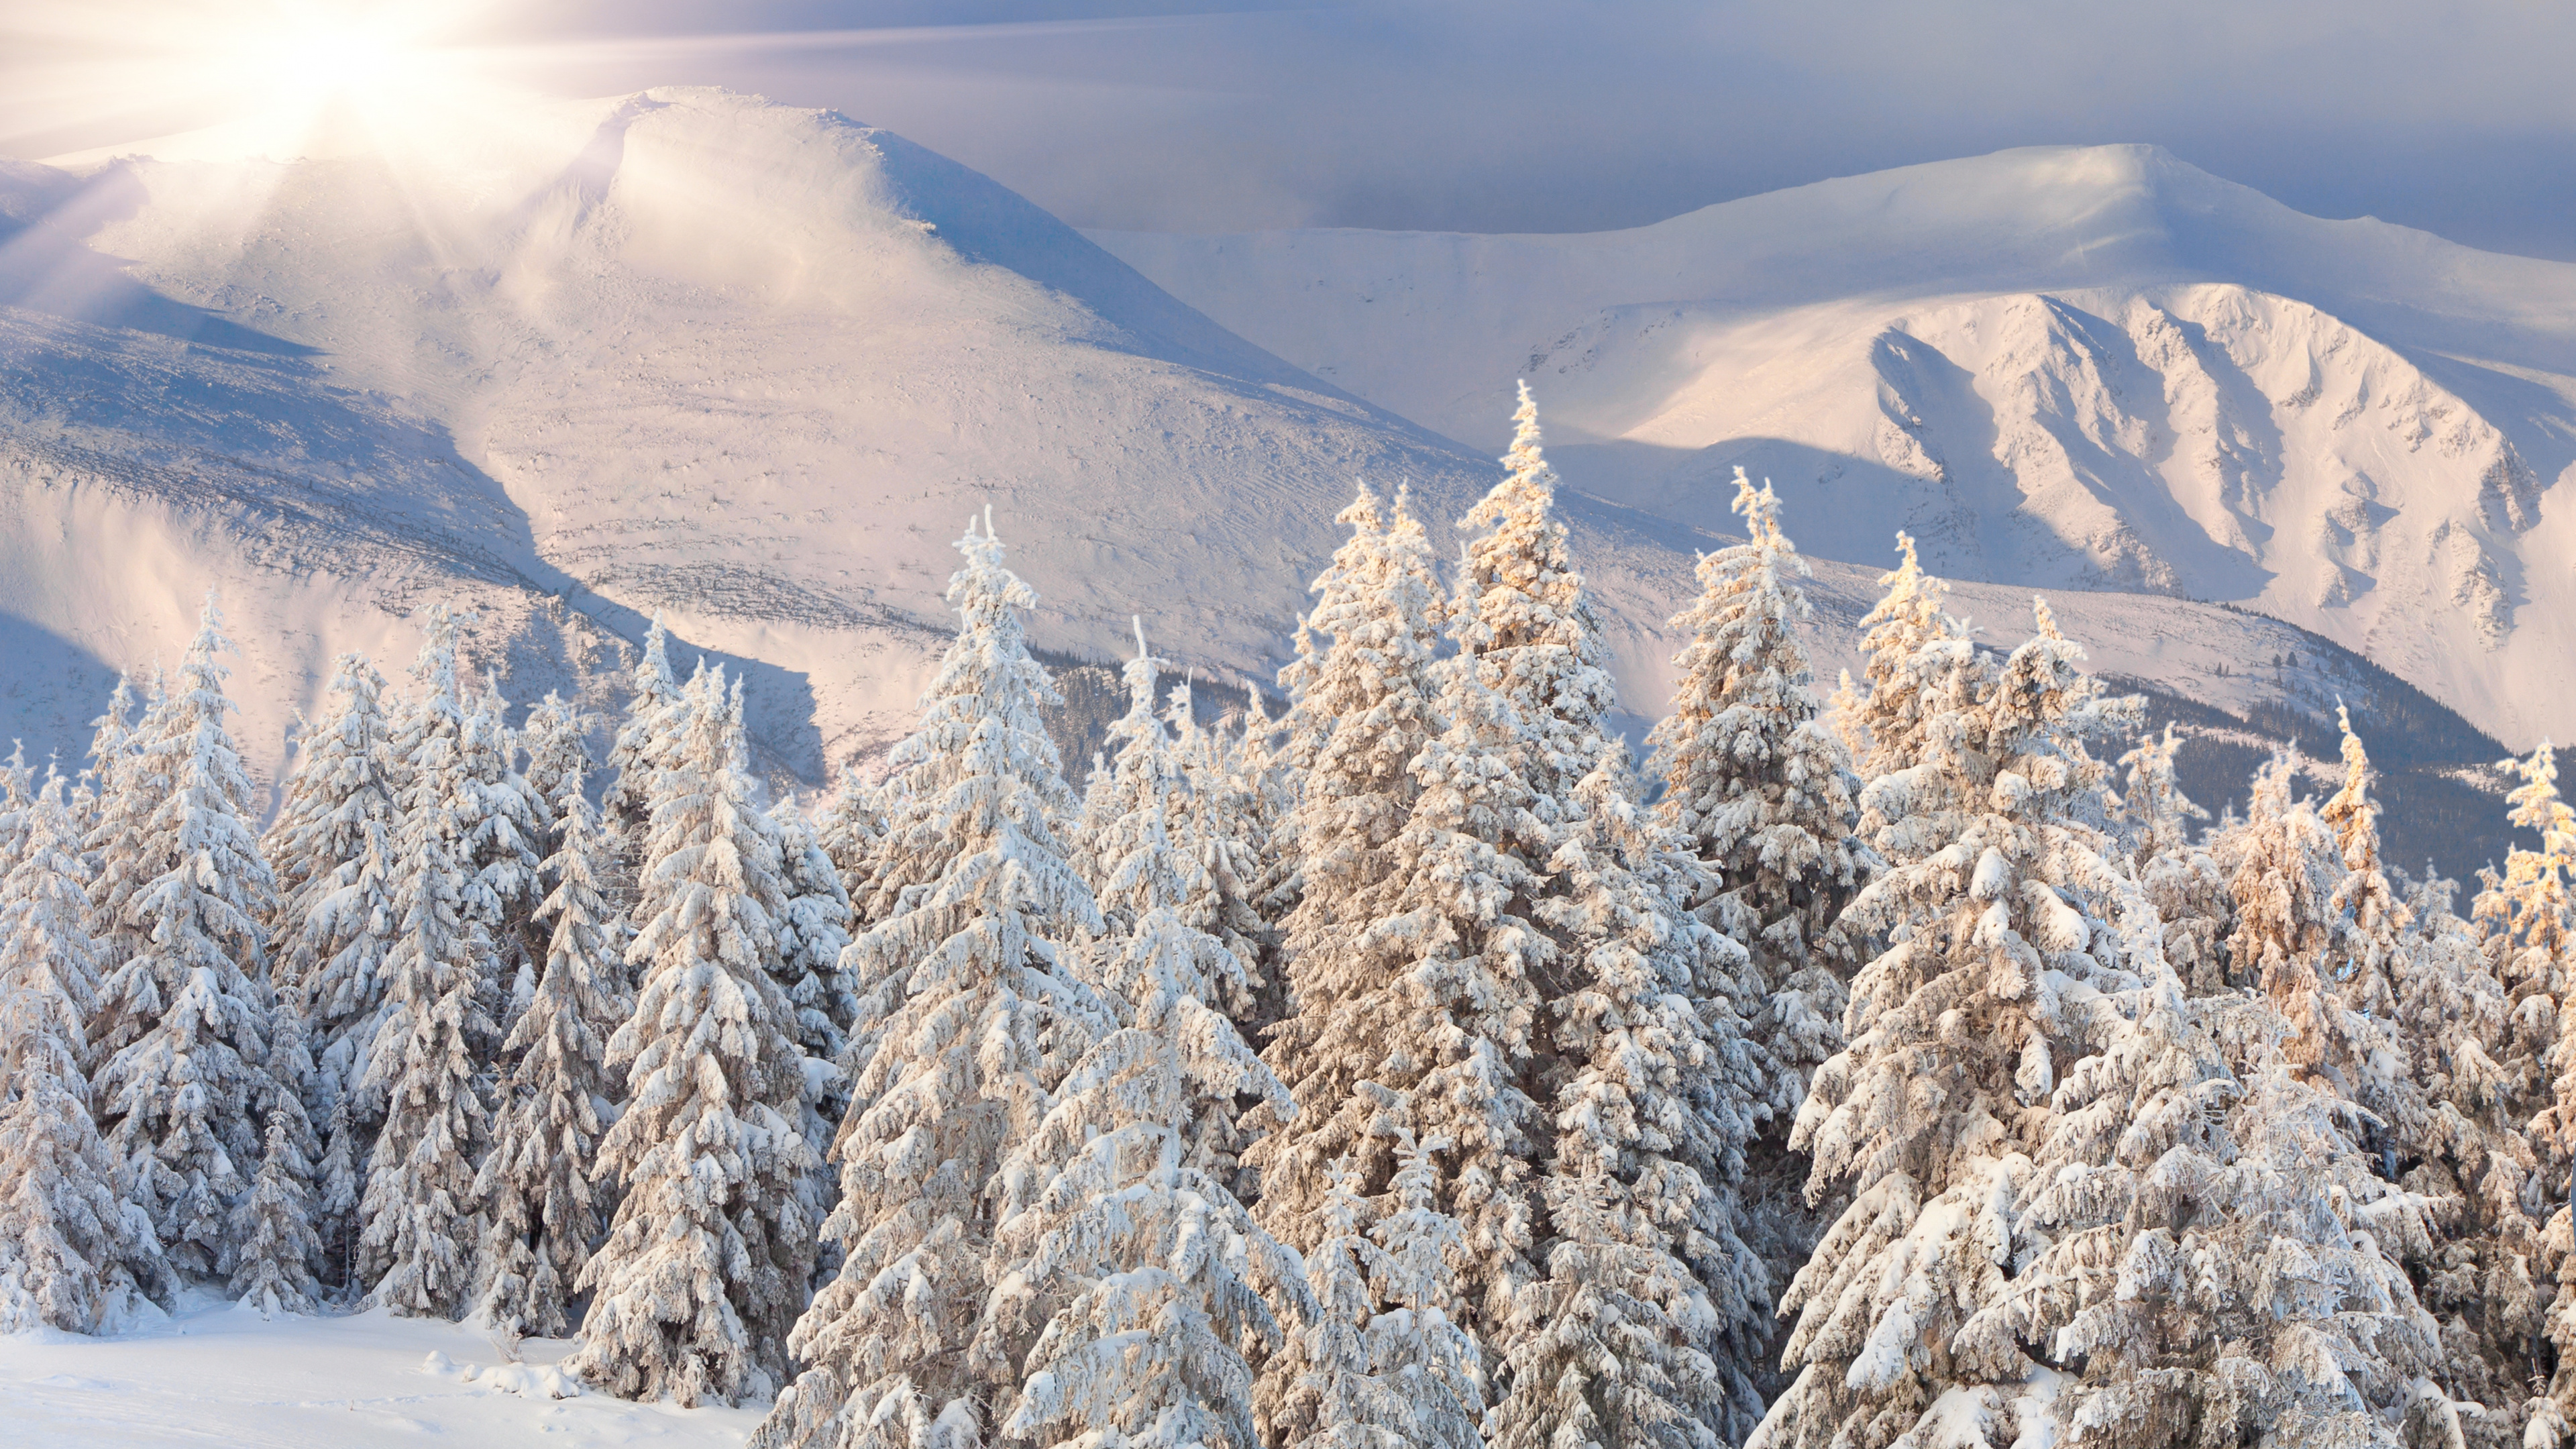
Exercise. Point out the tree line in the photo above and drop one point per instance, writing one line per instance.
(1412, 1069)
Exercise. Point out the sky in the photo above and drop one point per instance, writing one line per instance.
(1499, 115)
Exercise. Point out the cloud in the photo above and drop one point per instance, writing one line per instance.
(1558, 116)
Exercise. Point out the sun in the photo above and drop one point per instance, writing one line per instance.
(272, 77)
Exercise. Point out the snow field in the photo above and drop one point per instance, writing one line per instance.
(221, 1374)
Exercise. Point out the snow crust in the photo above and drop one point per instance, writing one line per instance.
(222, 1374)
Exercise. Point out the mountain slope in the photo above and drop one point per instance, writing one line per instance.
(2093, 368)
(685, 351)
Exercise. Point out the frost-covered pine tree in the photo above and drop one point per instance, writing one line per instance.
(1427, 990)
(970, 1018)
(1934, 1113)
(2370, 921)
(2484, 1279)
(74, 1255)
(540, 1185)
(1761, 791)
(1221, 829)
(2283, 867)
(1383, 1362)
(1132, 782)
(334, 849)
(17, 790)
(181, 1099)
(128, 856)
(1133, 1284)
(1890, 716)
(279, 1246)
(505, 827)
(2192, 1259)
(1651, 1319)
(651, 731)
(813, 931)
(852, 832)
(709, 1258)
(2527, 925)
(2178, 874)
(1361, 709)
(432, 1053)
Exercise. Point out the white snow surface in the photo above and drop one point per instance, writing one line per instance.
(2074, 367)
(754, 366)
(222, 1374)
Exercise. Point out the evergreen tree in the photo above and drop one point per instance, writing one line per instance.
(333, 846)
(2284, 867)
(1384, 1363)
(1652, 1317)
(540, 1183)
(2204, 1262)
(504, 826)
(1891, 716)
(73, 1254)
(280, 1248)
(708, 1259)
(1427, 991)
(1361, 709)
(128, 856)
(418, 1218)
(852, 832)
(2179, 876)
(1133, 1283)
(2482, 1279)
(813, 932)
(1931, 1116)
(2370, 922)
(652, 730)
(970, 1019)
(1760, 790)
(181, 1098)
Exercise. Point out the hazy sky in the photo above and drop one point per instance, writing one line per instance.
(1504, 115)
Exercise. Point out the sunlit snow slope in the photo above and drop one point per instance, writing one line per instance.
(2093, 368)
(686, 351)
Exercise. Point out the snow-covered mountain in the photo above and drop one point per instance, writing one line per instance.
(754, 366)
(687, 351)
(2093, 368)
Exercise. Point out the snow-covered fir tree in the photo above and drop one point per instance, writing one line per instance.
(74, 1255)
(970, 1019)
(1221, 827)
(2483, 1278)
(1134, 1285)
(182, 1098)
(708, 1260)
(2178, 874)
(1890, 715)
(1361, 709)
(2284, 867)
(280, 1250)
(1383, 1362)
(504, 825)
(540, 1186)
(333, 846)
(651, 730)
(1422, 984)
(2192, 1259)
(432, 1053)
(813, 931)
(131, 785)
(851, 828)
(1651, 1320)
(1934, 1113)
(2370, 921)
(1761, 791)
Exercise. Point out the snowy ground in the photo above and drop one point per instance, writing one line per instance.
(220, 1375)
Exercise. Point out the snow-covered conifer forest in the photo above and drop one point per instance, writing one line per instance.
(1413, 1066)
